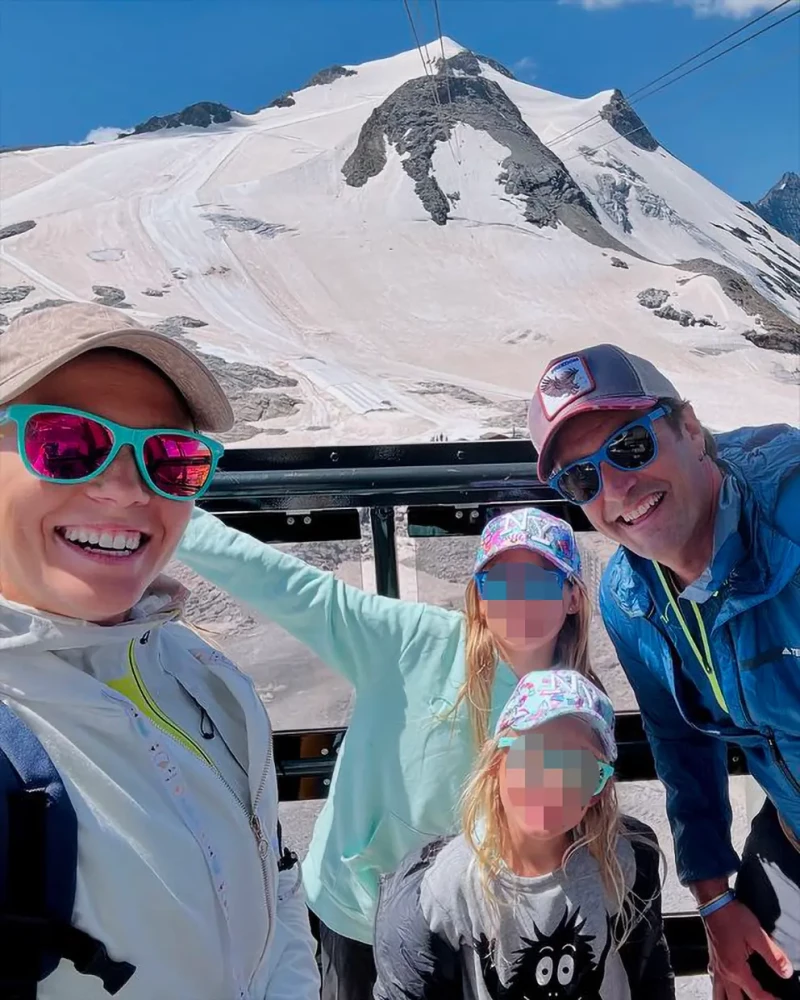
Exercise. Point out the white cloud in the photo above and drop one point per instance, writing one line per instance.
(731, 8)
(704, 8)
(106, 133)
(525, 68)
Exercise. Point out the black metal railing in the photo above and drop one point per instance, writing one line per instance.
(316, 494)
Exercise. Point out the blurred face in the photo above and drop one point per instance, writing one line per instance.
(549, 778)
(517, 620)
(39, 566)
(655, 512)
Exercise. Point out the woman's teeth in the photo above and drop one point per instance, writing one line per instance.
(634, 515)
(123, 543)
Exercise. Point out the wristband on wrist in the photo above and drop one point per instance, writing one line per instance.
(716, 904)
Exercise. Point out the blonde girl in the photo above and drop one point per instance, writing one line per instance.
(526, 605)
(548, 892)
(428, 683)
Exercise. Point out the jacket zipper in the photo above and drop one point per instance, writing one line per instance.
(263, 854)
(769, 735)
(777, 756)
(174, 732)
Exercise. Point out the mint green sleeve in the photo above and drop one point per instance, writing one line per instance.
(355, 633)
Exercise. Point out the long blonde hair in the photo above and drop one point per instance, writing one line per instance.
(485, 828)
(482, 655)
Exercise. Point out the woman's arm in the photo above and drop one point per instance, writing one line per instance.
(353, 632)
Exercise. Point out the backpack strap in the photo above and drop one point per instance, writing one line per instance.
(38, 871)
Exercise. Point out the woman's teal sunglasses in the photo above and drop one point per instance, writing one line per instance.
(66, 446)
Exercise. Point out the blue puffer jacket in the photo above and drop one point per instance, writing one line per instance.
(753, 624)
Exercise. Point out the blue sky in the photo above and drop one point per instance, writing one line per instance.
(69, 66)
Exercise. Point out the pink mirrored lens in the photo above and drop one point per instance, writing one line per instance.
(178, 464)
(65, 446)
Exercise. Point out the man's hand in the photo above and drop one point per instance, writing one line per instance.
(734, 933)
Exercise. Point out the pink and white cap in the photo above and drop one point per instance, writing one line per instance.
(603, 377)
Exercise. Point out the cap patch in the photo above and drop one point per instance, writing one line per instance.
(563, 382)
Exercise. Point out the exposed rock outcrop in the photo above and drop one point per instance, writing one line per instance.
(653, 298)
(244, 224)
(44, 304)
(199, 115)
(108, 295)
(469, 63)
(413, 121)
(173, 326)
(284, 101)
(780, 333)
(612, 193)
(14, 293)
(328, 75)
(320, 79)
(16, 229)
(683, 316)
(623, 119)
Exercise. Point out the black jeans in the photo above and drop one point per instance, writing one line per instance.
(769, 884)
(347, 967)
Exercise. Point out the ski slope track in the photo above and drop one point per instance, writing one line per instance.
(374, 261)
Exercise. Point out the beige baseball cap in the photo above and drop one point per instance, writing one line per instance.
(40, 342)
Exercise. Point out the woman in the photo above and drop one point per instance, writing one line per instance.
(178, 868)
(547, 892)
(411, 740)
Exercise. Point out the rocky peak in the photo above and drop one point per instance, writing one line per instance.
(780, 206)
(469, 64)
(623, 119)
(200, 115)
(325, 76)
(328, 75)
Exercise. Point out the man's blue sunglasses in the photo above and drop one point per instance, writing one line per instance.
(630, 449)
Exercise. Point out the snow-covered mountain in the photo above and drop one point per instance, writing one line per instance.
(780, 206)
(389, 254)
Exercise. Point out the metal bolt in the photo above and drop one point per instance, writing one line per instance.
(459, 514)
(324, 751)
(473, 515)
(326, 781)
(334, 456)
(290, 520)
(459, 455)
(306, 519)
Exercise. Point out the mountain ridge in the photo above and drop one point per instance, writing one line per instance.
(399, 226)
(780, 206)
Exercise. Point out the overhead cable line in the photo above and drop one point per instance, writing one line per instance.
(578, 130)
(426, 67)
(719, 55)
(772, 63)
(446, 71)
(708, 48)
(632, 99)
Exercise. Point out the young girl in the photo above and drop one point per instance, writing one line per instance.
(548, 892)
(419, 673)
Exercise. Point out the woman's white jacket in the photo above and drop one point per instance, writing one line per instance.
(165, 750)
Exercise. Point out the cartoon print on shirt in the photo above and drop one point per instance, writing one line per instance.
(557, 966)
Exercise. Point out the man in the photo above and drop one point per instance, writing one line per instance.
(702, 602)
